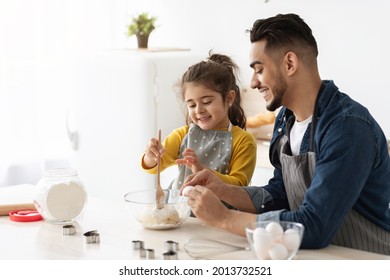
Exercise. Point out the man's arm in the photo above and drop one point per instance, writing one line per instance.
(207, 207)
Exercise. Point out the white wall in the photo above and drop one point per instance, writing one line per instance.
(352, 37)
(34, 34)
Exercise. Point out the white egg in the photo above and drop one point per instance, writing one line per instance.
(291, 239)
(262, 241)
(186, 190)
(276, 230)
(278, 252)
(259, 231)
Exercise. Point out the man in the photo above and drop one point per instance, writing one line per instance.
(332, 167)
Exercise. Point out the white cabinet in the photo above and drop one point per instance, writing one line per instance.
(120, 100)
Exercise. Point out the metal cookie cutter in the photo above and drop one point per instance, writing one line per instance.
(142, 253)
(146, 253)
(149, 254)
(69, 230)
(138, 244)
(92, 236)
(171, 246)
(170, 255)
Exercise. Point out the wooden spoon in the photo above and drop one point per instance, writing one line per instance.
(159, 190)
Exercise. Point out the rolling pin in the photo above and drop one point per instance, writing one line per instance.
(5, 209)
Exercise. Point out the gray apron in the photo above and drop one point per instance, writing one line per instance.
(212, 147)
(356, 231)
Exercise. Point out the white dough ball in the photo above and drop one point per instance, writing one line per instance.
(186, 190)
(291, 239)
(166, 216)
(278, 252)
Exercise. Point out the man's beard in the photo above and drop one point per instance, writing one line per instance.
(278, 92)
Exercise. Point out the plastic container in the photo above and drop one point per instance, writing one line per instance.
(60, 196)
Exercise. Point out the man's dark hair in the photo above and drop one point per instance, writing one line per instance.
(286, 32)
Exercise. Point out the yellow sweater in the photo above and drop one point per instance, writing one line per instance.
(242, 163)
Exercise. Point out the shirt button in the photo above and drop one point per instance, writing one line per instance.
(279, 129)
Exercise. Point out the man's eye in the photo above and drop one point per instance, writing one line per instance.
(207, 102)
(259, 71)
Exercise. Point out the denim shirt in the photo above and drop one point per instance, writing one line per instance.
(352, 171)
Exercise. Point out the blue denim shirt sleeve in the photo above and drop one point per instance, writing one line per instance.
(270, 216)
(260, 198)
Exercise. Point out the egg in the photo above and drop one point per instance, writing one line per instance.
(276, 230)
(186, 190)
(262, 241)
(291, 239)
(278, 252)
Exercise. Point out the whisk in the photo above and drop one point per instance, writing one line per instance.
(204, 248)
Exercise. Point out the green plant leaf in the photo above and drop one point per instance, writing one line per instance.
(142, 24)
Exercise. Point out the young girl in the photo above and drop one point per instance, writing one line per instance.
(214, 136)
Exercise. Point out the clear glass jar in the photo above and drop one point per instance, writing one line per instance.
(60, 196)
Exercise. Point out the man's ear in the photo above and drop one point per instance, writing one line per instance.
(291, 63)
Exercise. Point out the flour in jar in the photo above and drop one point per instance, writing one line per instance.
(155, 217)
(65, 202)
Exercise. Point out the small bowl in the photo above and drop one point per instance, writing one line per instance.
(271, 240)
(142, 206)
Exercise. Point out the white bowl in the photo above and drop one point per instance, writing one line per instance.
(274, 240)
(142, 206)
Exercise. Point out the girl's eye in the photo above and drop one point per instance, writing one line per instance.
(207, 102)
(191, 105)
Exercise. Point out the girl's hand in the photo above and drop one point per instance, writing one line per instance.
(191, 161)
(153, 149)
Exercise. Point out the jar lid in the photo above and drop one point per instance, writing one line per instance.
(60, 172)
(25, 215)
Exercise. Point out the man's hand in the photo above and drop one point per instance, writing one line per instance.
(207, 179)
(206, 206)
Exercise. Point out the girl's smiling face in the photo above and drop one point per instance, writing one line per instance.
(206, 107)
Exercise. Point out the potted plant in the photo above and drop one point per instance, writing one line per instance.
(141, 26)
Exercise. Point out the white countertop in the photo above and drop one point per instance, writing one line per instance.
(117, 229)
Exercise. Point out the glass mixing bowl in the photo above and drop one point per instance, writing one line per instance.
(141, 205)
(271, 240)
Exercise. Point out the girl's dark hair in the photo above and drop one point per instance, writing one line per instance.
(218, 73)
